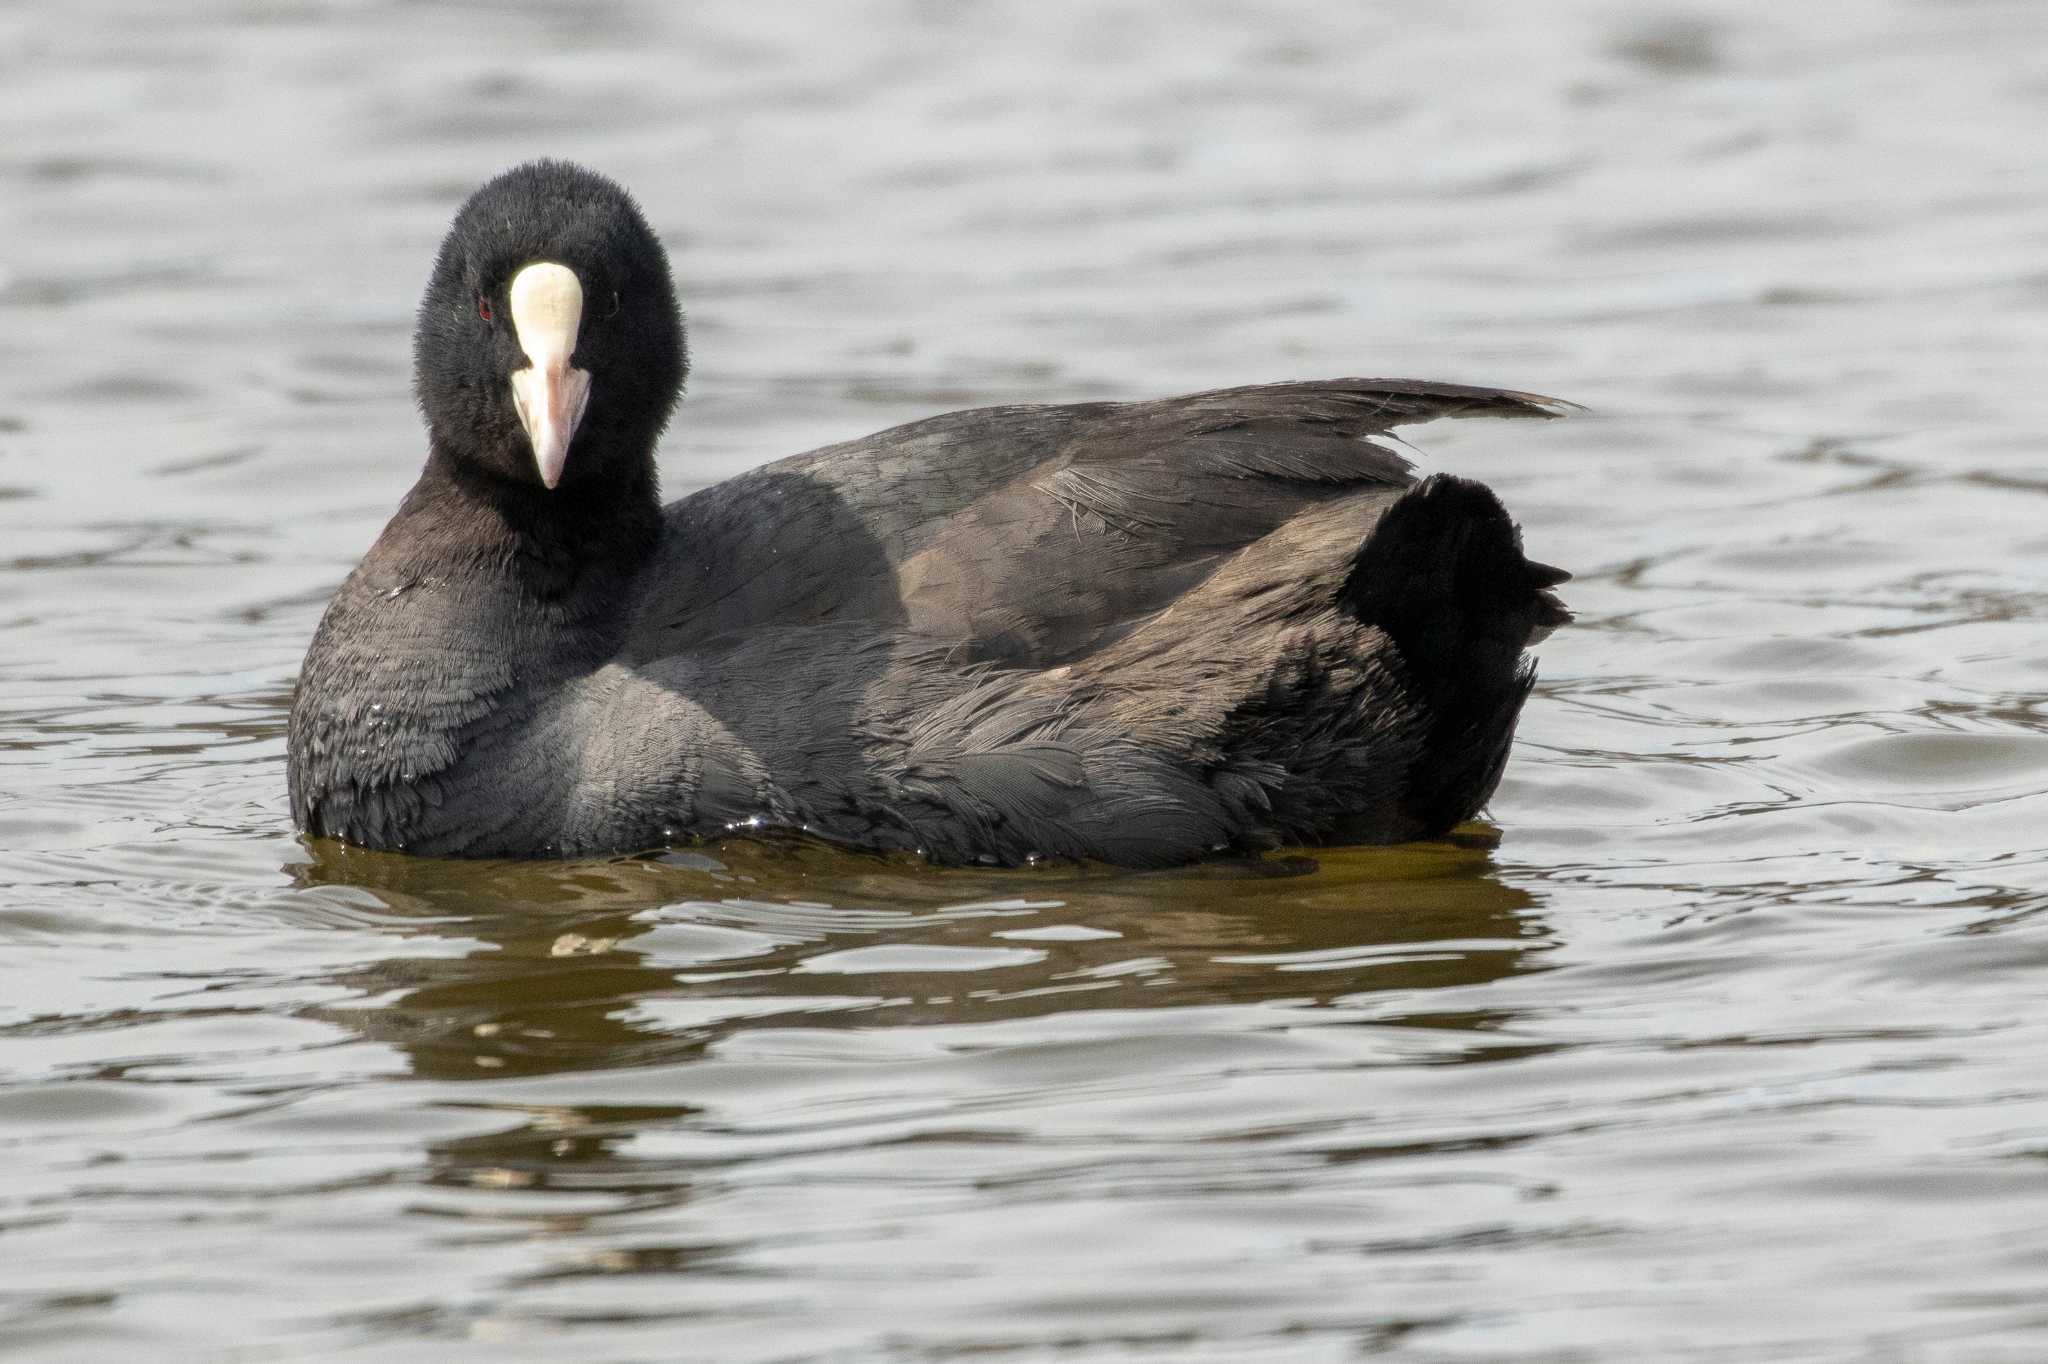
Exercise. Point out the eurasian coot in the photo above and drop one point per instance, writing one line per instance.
(1135, 631)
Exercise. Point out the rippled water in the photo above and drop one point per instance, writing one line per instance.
(1723, 1040)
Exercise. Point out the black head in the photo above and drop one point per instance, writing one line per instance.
(603, 359)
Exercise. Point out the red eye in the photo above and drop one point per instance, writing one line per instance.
(483, 307)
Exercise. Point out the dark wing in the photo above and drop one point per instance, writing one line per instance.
(1031, 534)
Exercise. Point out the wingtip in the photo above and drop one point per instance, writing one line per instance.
(1541, 405)
(1469, 400)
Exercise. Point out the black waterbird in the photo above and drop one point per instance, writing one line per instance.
(1140, 632)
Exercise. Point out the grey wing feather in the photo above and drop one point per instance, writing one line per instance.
(1031, 534)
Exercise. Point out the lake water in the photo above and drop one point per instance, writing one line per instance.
(1723, 1039)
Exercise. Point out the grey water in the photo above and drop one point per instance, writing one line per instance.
(1722, 1038)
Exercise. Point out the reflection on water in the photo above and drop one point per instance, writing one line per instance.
(1721, 1040)
(733, 1026)
(650, 960)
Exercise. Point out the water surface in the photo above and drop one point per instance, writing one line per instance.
(1721, 1039)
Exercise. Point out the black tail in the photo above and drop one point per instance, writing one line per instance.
(1444, 576)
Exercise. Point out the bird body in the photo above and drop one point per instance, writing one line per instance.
(1139, 632)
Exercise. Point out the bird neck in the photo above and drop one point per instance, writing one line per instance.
(589, 533)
